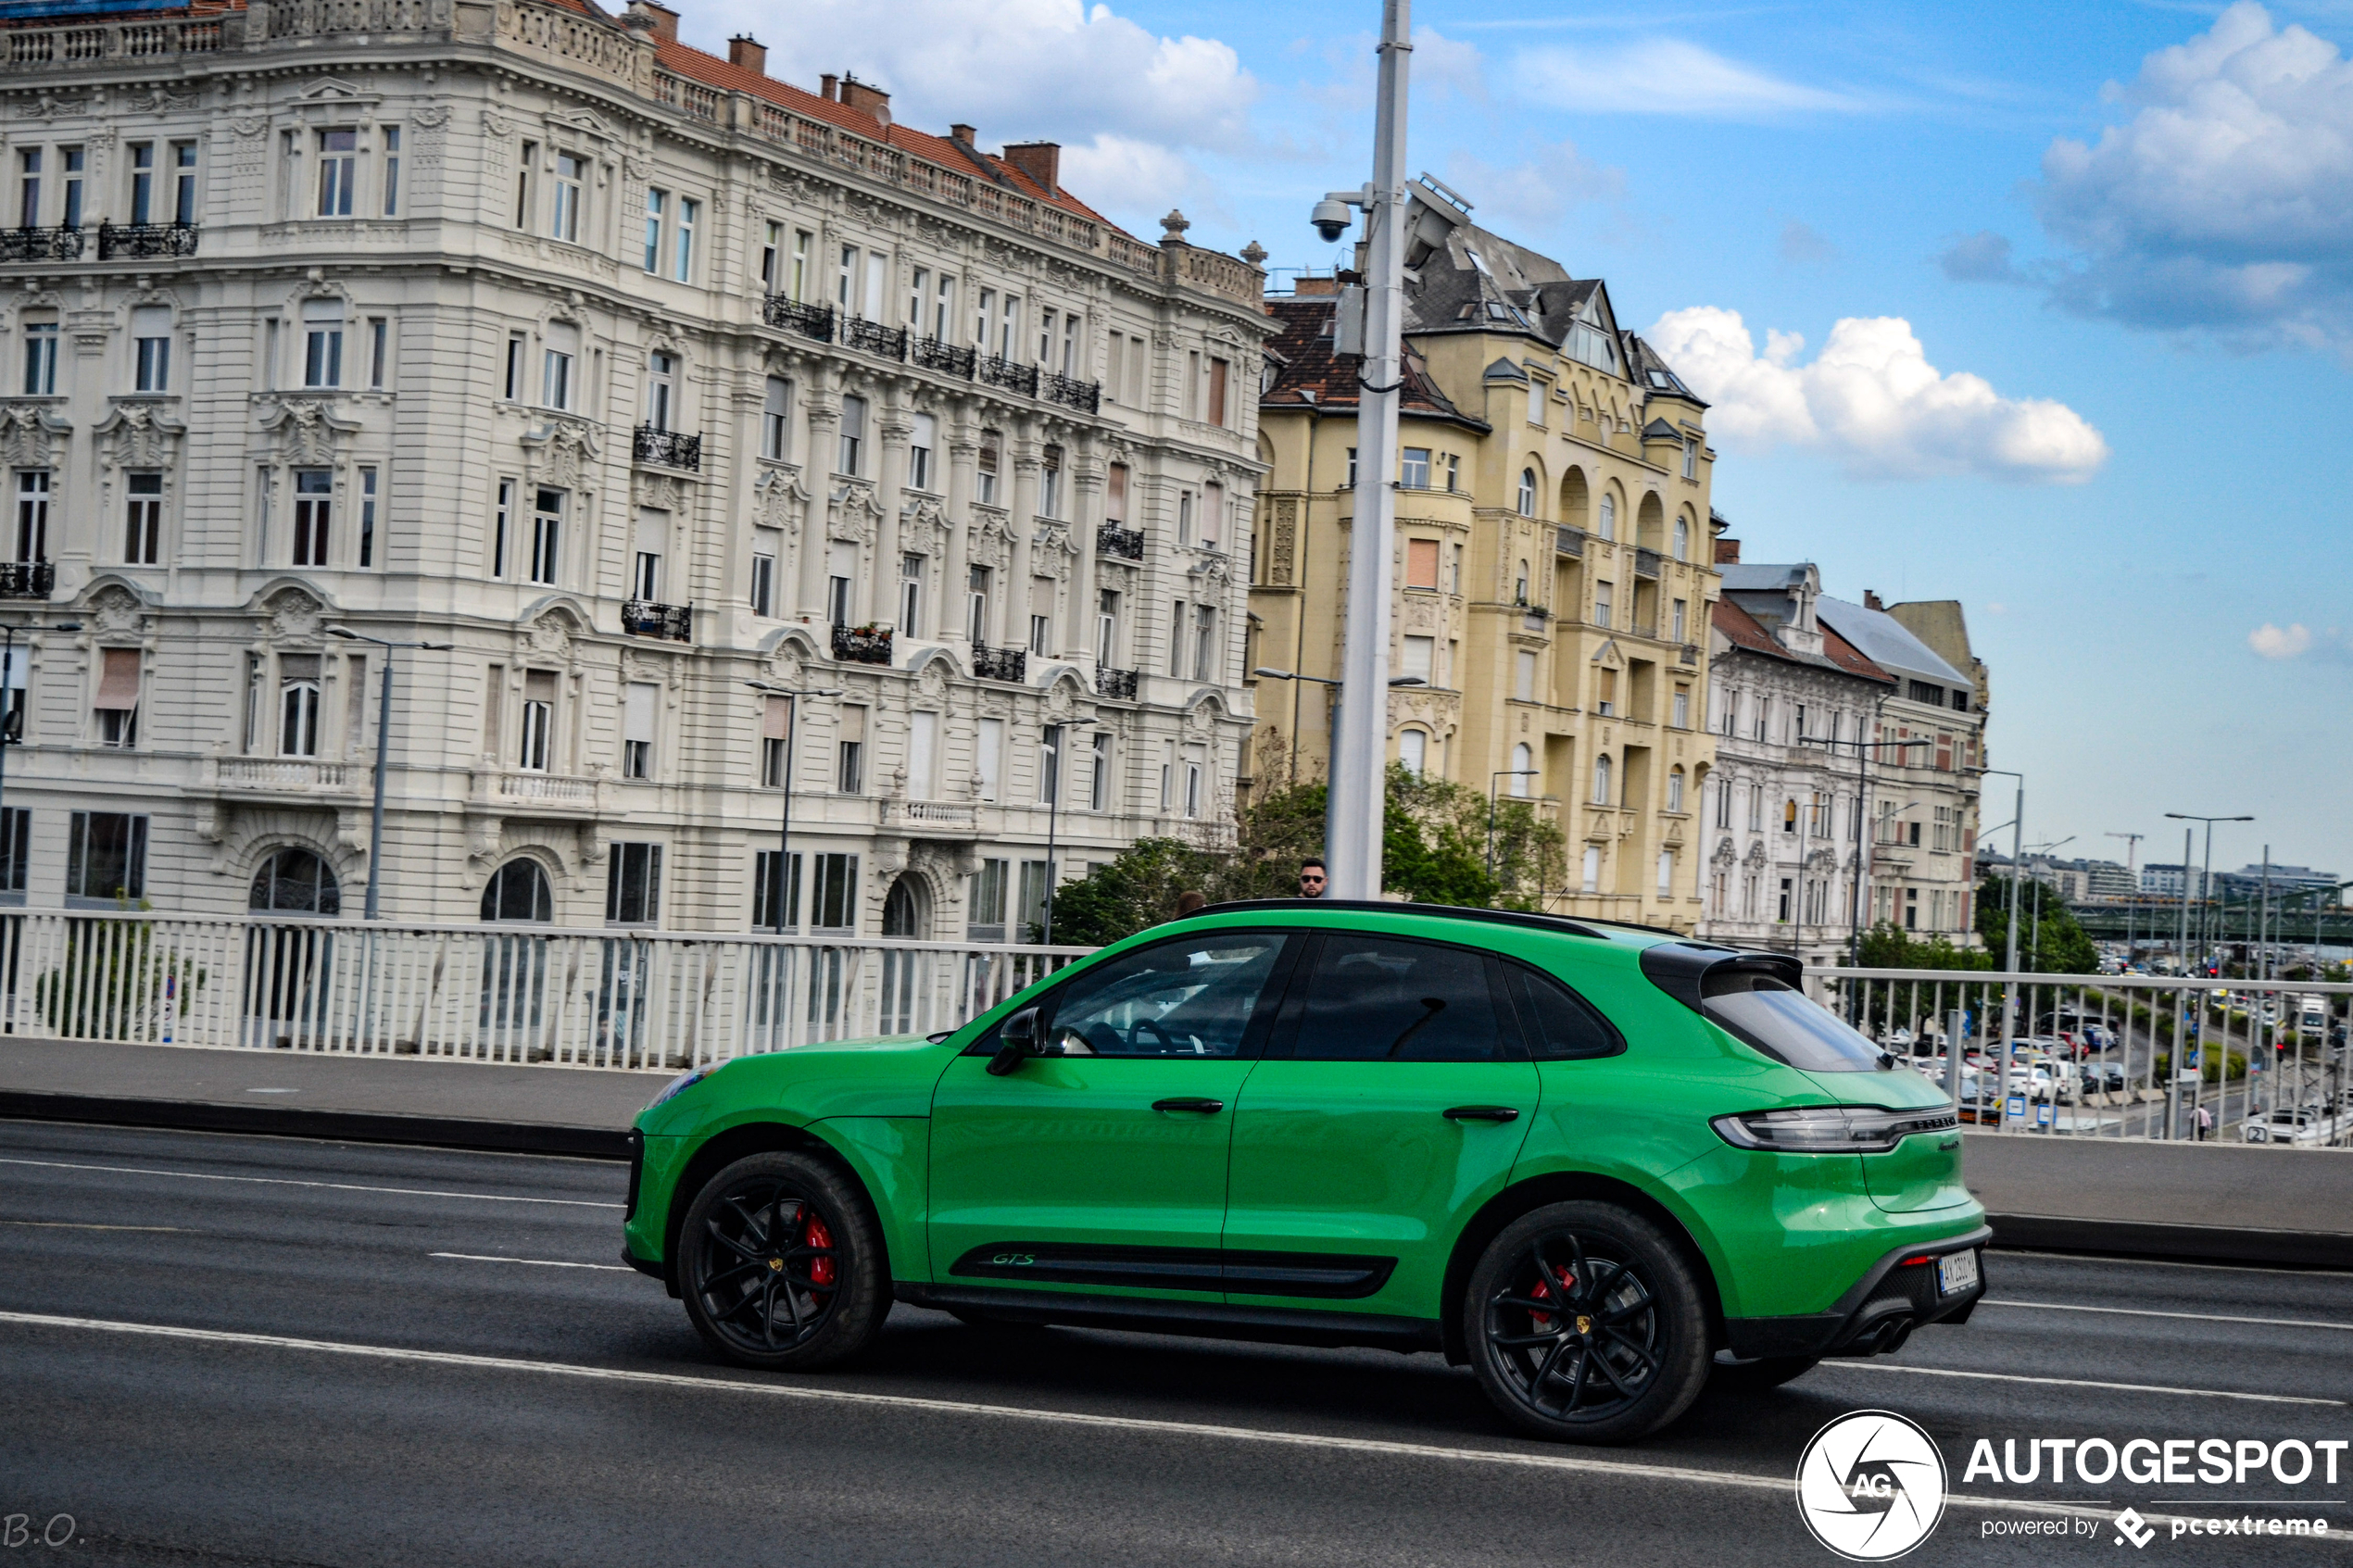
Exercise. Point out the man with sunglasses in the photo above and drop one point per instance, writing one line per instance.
(1310, 878)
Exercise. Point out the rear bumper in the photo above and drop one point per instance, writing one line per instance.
(1875, 1315)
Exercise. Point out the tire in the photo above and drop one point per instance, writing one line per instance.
(1764, 1372)
(780, 1263)
(1631, 1362)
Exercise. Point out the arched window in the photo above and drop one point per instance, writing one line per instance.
(1528, 491)
(902, 915)
(1675, 789)
(295, 881)
(1523, 763)
(1413, 750)
(1601, 780)
(519, 894)
(1606, 524)
(1682, 538)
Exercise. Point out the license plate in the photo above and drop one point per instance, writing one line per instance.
(1955, 1272)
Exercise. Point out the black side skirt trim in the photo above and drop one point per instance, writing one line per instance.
(1326, 1276)
(1288, 1325)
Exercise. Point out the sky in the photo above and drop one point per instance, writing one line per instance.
(2048, 309)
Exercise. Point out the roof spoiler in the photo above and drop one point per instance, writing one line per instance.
(1690, 972)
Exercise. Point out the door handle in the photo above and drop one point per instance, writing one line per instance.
(1481, 1113)
(1205, 1106)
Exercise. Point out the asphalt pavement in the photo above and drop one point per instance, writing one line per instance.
(221, 1349)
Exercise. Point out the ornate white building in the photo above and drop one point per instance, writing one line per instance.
(628, 375)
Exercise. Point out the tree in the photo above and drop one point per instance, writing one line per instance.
(2052, 942)
(1887, 946)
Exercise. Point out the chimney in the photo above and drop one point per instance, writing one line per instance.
(964, 133)
(1041, 160)
(1727, 552)
(826, 86)
(665, 19)
(745, 53)
(1306, 285)
(866, 98)
(1870, 600)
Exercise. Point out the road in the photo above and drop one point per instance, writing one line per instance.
(379, 1356)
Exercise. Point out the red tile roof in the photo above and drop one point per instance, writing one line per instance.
(1745, 631)
(1303, 351)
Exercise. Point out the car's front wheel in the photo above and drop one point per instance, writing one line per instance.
(780, 1262)
(1586, 1323)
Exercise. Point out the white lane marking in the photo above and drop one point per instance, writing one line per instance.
(2020, 1254)
(2148, 1312)
(63, 1225)
(535, 1262)
(1843, 1366)
(1573, 1463)
(290, 1182)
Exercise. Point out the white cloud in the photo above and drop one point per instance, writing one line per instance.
(1670, 76)
(1537, 191)
(1441, 61)
(1133, 175)
(1872, 398)
(2280, 642)
(2226, 202)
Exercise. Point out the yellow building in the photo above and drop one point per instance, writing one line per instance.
(1552, 567)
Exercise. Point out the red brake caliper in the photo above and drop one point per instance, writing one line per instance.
(1543, 1322)
(820, 1270)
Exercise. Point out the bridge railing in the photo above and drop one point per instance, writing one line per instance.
(612, 997)
(2116, 1055)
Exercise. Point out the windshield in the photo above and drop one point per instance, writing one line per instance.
(1779, 1021)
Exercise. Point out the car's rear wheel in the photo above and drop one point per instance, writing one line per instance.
(1763, 1371)
(1586, 1325)
(780, 1262)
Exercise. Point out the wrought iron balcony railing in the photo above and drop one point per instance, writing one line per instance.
(643, 617)
(1087, 396)
(42, 244)
(27, 579)
(873, 337)
(146, 239)
(861, 645)
(1569, 541)
(1688, 657)
(1646, 563)
(792, 315)
(671, 448)
(1000, 664)
(1118, 685)
(1125, 543)
(998, 371)
(934, 355)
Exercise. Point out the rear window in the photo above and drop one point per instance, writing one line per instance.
(1780, 1020)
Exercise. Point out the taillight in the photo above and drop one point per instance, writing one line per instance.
(1830, 1129)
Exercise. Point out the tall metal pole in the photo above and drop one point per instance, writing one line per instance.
(376, 817)
(784, 816)
(1353, 821)
(1053, 806)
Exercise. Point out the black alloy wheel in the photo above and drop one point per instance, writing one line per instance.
(779, 1262)
(1587, 1325)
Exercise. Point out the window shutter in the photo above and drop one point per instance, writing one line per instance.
(639, 719)
(118, 683)
(151, 321)
(1041, 595)
(772, 722)
(1116, 490)
(539, 685)
(853, 722)
(653, 533)
(1421, 563)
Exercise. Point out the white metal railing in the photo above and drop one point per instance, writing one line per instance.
(611, 998)
(276, 773)
(2119, 1056)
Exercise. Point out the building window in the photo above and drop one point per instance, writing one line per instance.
(985, 902)
(299, 700)
(638, 699)
(654, 198)
(841, 578)
(1099, 783)
(766, 546)
(683, 246)
(1414, 469)
(1421, 564)
(1675, 789)
(184, 181)
(151, 348)
(1682, 542)
(515, 352)
(143, 521)
(118, 700)
(1050, 484)
(313, 508)
(1605, 693)
(1682, 708)
(503, 527)
(853, 435)
(849, 750)
(775, 902)
(536, 754)
(29, 188)
(1601, 780)
(833, 895)
(1528, 491)
(518, 893)
(1418, 655)
(338, 154)
(1666, 873)
(1691, 470)
(1049, 764)
(546, 533)
(75, 165)
(919, 450)
(391, 135)
(923, 755)
(555, 375)
(1220, 372)
(1205, 659)
(32, 514)
(774, 412)
(105, 858)
(991, 761)
(322, 343)
(1723, 805)
(1591, 880)
(1523, 769)
(1603, 593)
(1413, 749)
(1524, 676)
(40, 358)
(379, 352)
(632, 884)
(911, 595)
(662, 388)
(294, 882)
(1606, 520)
(367, 517)
(986, 470)
(977, 605)
(571, 184)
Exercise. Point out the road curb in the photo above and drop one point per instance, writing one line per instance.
(295, 1122)
(2144, 1238)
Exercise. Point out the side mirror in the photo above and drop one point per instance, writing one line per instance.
(1019, 1040)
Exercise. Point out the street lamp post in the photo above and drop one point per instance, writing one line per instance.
(777, 899)
(2206, 886)
(1501, 773)
(384, 736)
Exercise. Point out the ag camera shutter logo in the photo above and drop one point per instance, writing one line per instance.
(1870, 1486)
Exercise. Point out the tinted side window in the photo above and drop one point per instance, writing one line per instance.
(1385, 998)
(1560, 1024)
(1192, 997)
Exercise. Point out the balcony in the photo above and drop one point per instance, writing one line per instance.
(1646, 564)
(933, 355)
(1117, 685)
(1569, 541)
(1127, 544)
(42, 244)
(790, 315)
(27, 579)
(643, 617)
(873, 337)
(1688, 655)
(1087, 396)
(123, 241)
(998, 371)
(284, 774)
(861, 645)
(668, 448)
(1000, 664)
(547, 789)
(932, 814)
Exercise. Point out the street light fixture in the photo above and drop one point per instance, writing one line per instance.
(12, 719)
(777, 899)
(2205, 876)
(384, 738)
(2173, 1088)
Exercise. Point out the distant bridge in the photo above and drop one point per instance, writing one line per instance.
(2237, 923)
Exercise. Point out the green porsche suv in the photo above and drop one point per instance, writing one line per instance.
(1597, 1163)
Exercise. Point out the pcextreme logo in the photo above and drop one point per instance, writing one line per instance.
(1870, 1486)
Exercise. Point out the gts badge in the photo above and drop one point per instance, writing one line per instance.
(1013, 1259)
